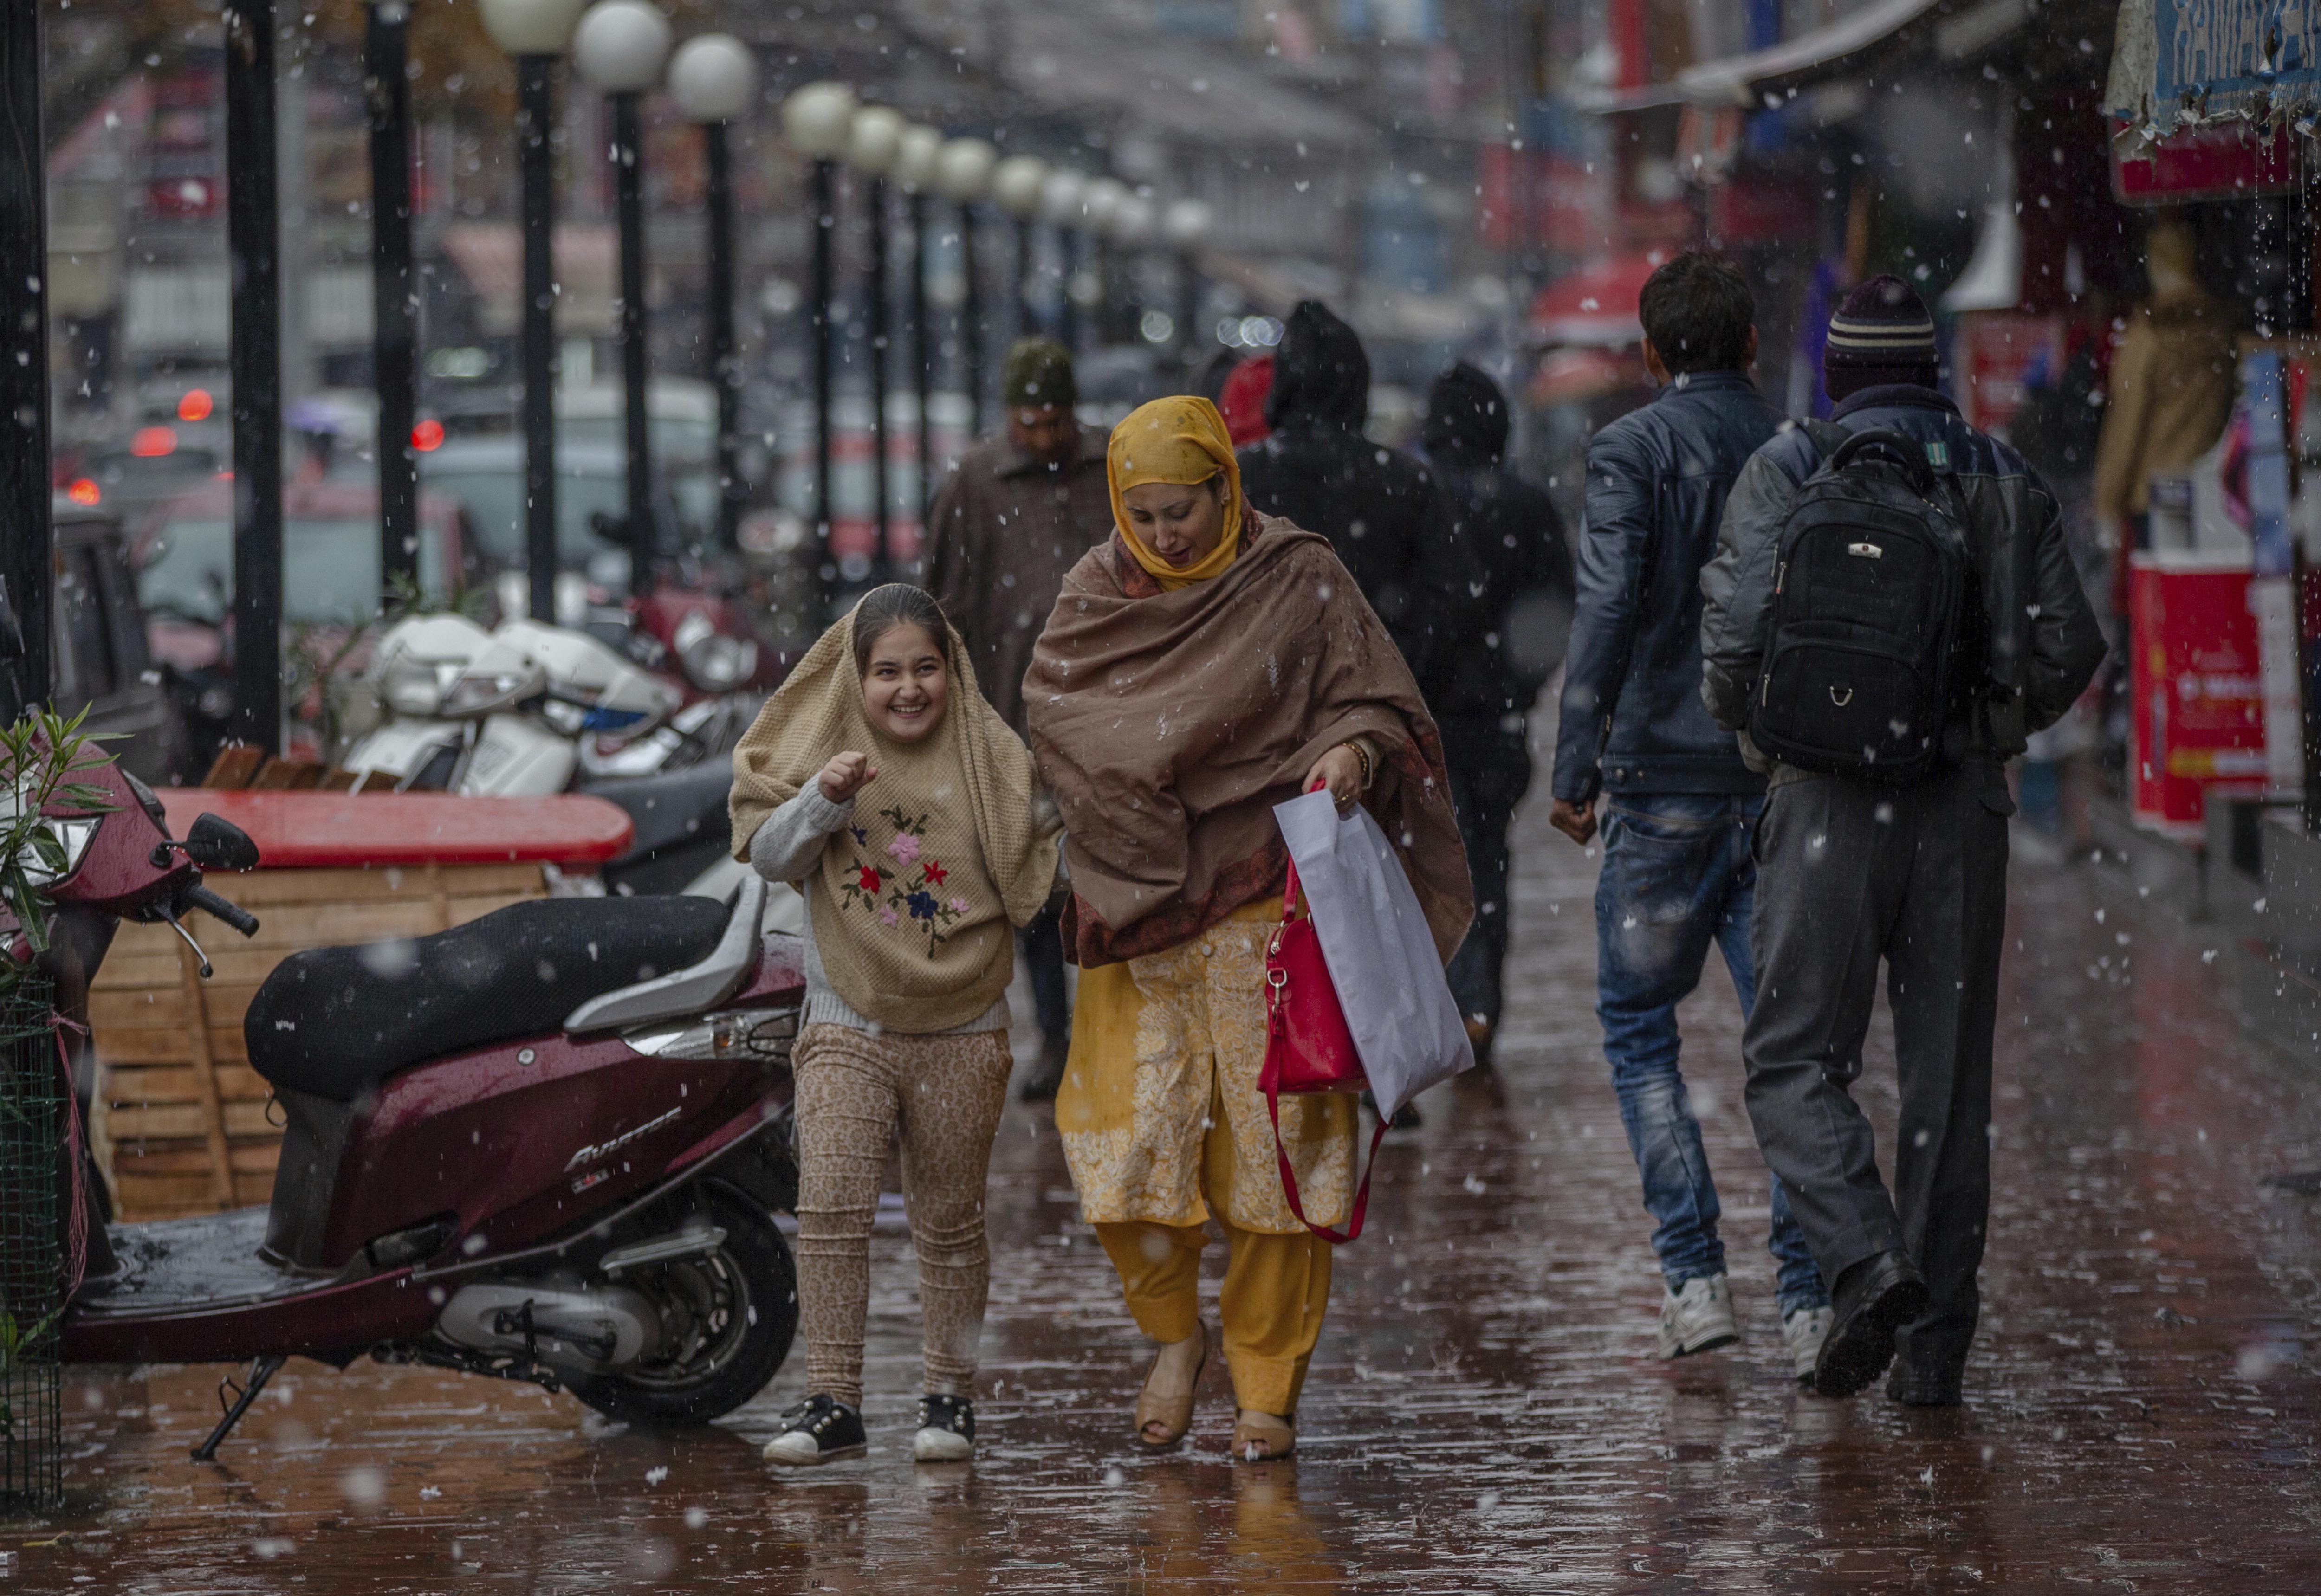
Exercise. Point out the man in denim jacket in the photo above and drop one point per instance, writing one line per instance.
(1677, 872)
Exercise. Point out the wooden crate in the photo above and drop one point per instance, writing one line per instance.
(180, 1124)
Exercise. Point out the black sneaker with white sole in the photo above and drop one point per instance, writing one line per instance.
(946, 1429)
(819, 1429)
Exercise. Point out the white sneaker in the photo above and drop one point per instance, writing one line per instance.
(1697, 1318)
(1804, 1330)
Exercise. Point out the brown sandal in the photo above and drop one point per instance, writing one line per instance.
(1171, 1409)
(1262, 1437)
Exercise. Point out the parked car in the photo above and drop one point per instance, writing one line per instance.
(484, 475)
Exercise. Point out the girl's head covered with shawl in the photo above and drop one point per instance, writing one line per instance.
(913, 901)
(1178, 439)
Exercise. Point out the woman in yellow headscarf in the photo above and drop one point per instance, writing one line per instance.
(1201, 665)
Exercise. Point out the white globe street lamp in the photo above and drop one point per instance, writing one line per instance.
(1016, 183)
(620, 46)
(963, 171)
(817, 118)
(536, 33)
(714, 79)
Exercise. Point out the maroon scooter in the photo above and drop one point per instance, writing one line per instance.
(548, 1144)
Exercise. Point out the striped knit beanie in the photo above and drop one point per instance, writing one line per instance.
(1882, 334)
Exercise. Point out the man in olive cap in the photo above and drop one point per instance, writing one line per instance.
(1016, 514)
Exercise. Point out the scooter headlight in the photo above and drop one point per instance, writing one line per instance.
(716, 663)
(412, 687)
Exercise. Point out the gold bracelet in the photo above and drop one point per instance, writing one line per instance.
(1362, 756)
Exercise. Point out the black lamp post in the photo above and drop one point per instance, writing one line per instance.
(816, 119)
(1063, 203)
(963, 172)
(871, 143)
(536, 33)
(27, 550)
(255, 361)
(395, 305)
(619, 48)
(1184, 226)
(916, 155)
(714, 78)
(1018, 182)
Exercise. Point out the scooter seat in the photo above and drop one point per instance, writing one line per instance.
(336, 1021)
(673, 809)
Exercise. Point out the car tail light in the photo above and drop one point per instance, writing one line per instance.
(152, 442)
(84, 491)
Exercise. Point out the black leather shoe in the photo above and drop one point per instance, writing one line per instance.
(1873, 1299)
(1915, 1388)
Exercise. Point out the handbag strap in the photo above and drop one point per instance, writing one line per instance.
(1270, 1083)
(1290, 892)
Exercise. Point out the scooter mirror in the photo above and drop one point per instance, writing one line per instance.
(220, 845)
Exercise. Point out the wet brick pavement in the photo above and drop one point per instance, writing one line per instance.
(1484, 1413)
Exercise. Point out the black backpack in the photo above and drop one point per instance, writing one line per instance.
(1873, 612)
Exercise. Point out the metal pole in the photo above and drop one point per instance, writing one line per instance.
(27, 549)
(629, 199)
(725, 359)
(970, 322)
(1189, 309)
(395, 305)
(826, 225)
(1107, 305)
(1068, 266)
(255, 361)
(923, 357)
(874, 280)
(536, 115)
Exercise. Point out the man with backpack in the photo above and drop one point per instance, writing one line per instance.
(1891, 612)
(1677, 877)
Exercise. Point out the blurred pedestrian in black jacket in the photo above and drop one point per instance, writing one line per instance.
(1504, 533)
(1378, 507)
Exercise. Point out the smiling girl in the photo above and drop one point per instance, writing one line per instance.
(879, 780)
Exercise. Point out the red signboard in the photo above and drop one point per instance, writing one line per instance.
(2227, 162)
(2198, 688)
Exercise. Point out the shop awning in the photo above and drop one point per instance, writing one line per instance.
(1596, 305)
(1862, 41)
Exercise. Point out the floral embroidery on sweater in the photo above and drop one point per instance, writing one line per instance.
(907, 887)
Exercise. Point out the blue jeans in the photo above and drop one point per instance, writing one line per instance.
(1677, 876)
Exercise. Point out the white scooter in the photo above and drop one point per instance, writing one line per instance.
(502, 714)
(520, 712)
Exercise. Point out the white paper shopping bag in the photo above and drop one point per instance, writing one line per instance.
(1390, 983)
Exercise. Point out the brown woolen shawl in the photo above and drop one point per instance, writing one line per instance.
(1170, 724)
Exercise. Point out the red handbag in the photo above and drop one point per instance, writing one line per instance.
(1308, 1046)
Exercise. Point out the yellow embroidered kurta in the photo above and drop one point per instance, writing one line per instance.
(1155, 1042)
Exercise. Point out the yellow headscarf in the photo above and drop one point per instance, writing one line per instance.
(1181, 439)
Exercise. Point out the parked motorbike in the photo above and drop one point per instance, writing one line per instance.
(545, 1146)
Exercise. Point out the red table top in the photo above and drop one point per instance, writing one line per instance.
(342, 830)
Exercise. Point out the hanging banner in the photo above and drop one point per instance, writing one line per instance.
(2178, 65)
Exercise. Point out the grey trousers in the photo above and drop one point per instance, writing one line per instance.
(1849, 875)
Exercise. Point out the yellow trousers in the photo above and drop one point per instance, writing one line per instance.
(1275, 1290)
